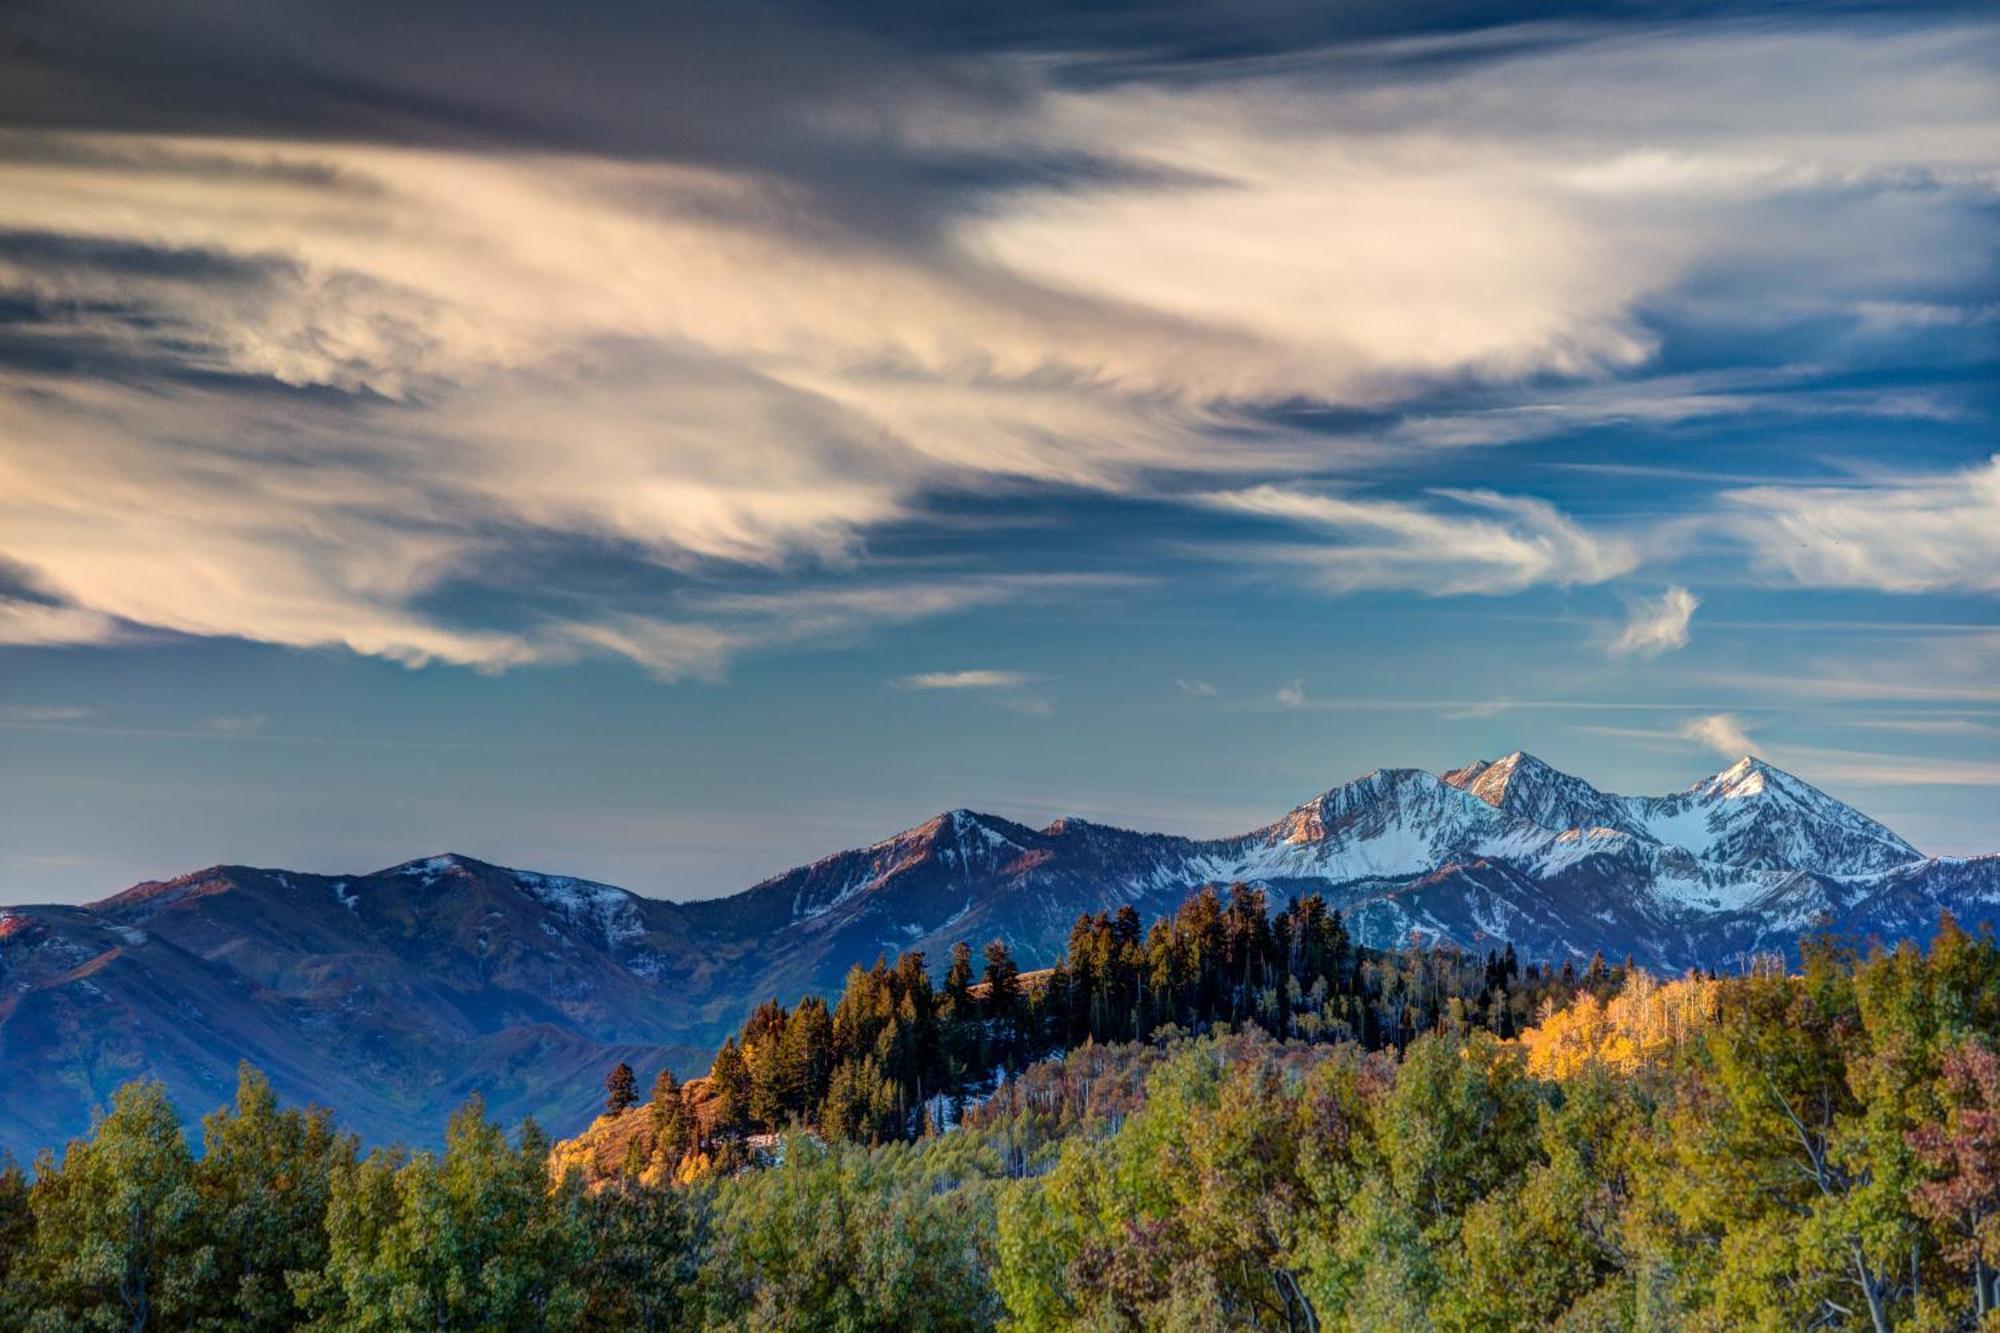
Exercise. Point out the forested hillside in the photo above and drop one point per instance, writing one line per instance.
(1310, 1137)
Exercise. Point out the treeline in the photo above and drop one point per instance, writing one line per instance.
(897, 1056)
(1813, 1150)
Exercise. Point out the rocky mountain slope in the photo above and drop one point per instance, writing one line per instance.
(392, 995)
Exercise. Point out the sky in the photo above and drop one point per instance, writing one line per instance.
(667, 443)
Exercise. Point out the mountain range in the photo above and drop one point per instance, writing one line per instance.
(391, 996)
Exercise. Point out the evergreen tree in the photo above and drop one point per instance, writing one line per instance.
(729, 1080)
(621, 1090)
(671, 1120)
(1002, 1003)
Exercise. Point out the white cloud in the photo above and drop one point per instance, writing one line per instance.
(1655, 625)
(976, 679)
(694, 364)
(1896, 534)
(1502, 545)
(1292, 695)
(1199, 689)
(1722, 733)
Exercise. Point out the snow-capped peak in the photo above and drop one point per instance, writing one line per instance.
(1748, 776)
(1527, 788)
(1755, 814)
(427, 870)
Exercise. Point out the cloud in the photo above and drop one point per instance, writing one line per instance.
(1722, 733)
(1655, 625)
(439, 372)
(712, 629)
(1292, 695)
(1899, 770)
(1010, 689)
(976, 679)
(1491, 544)
(1926, 726)
(1896, 534)
(37, 625)
(1199, 689)
(31, 714)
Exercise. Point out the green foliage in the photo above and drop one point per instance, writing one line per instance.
(641, 1262)
(471, 1240)
(265, 1180)
(841, 1237)
(1820, 1150)
(120, 1239)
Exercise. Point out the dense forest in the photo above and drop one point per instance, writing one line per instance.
(1307, 1137)
(897, 1057)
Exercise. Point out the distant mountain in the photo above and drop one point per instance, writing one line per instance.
(393, 995)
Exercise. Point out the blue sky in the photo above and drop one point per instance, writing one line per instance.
(665, 444)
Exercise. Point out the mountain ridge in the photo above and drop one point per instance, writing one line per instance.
(392, 991)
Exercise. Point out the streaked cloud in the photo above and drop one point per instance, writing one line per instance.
(1655, 625)
(39, 714)
(1474, 542)
(974, 679)
(1200, 689)
(362, 365)
(1902, 534)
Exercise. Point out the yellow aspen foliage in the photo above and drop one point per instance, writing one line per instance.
(1644, 1021)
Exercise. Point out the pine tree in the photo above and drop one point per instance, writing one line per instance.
(729, 1080)
(1003, 1001)
(621, 1089)
(803, 1060)
(672, 1122)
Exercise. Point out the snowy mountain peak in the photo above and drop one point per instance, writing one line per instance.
(1525, 787)
(1492, 779)
(1757, 815)
(428, 868)
(1326, 814)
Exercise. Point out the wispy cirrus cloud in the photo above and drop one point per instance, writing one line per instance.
(1725, 735)
(1655, 625)
(973, 679)
(1897, 534)
(349, 365)
(1475, 542)
(35, 714)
